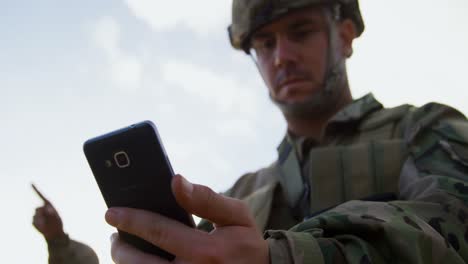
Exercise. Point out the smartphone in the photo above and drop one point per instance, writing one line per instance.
(132, 169)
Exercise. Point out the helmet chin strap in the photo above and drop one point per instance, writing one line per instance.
(324, 100)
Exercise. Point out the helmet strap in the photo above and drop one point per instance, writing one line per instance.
(335, 66)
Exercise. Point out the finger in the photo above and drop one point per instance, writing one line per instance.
(46, 211)
(123, 253)
(40, 194)
(50, 210)
(205, 203)
(40, 212)
(38, 222)
(168, 234)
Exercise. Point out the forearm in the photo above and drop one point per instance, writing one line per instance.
(370, 232)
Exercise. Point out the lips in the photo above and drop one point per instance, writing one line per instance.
(289, 77)
(292, 87)
(289, 84)
(291, 81)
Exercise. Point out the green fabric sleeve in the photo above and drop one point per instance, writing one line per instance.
(68, 251)
(279, 251)
(376, 232)
(293, 247)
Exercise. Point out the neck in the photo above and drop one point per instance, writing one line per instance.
(313, 126)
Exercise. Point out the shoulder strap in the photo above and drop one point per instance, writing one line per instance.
(290, 175)
(423, 117)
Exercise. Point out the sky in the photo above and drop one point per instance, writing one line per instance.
(72, 70)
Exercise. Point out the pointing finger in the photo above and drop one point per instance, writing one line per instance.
(46, 201)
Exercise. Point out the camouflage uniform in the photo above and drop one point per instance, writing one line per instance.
(384, 186)
(67, 251)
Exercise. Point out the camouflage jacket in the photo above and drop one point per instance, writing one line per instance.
(384, 186)
(68, 251)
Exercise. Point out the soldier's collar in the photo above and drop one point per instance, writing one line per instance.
(352, 113)
(357, 110)
(300, 144)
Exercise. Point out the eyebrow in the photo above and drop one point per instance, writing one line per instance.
(261, 35)
(305, 22)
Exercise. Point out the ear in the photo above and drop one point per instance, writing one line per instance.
(347, 31)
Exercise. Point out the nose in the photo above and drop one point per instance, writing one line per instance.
(285, 52)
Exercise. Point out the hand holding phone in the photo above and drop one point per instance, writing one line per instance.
(236, 238)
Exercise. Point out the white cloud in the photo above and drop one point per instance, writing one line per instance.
(125, 70)
(107, 35)
(203, 16)
(241, 128)
(403, 57)
(224, 93)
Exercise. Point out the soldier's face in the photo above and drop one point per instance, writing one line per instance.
(291, 54)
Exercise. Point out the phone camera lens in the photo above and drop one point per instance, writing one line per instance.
(108, 163)
(121, 159)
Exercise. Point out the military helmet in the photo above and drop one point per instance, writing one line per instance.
(250, 15)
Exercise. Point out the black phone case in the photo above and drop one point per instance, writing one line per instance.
(131, 168)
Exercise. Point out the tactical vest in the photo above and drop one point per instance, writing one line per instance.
(370, 165)
(366, 169)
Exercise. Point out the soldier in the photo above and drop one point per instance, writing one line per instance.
(354, 182)
(62, 250)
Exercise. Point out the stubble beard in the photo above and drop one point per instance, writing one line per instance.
(318, 104)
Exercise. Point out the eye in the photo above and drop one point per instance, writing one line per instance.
(268, 44)
(264, 44)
